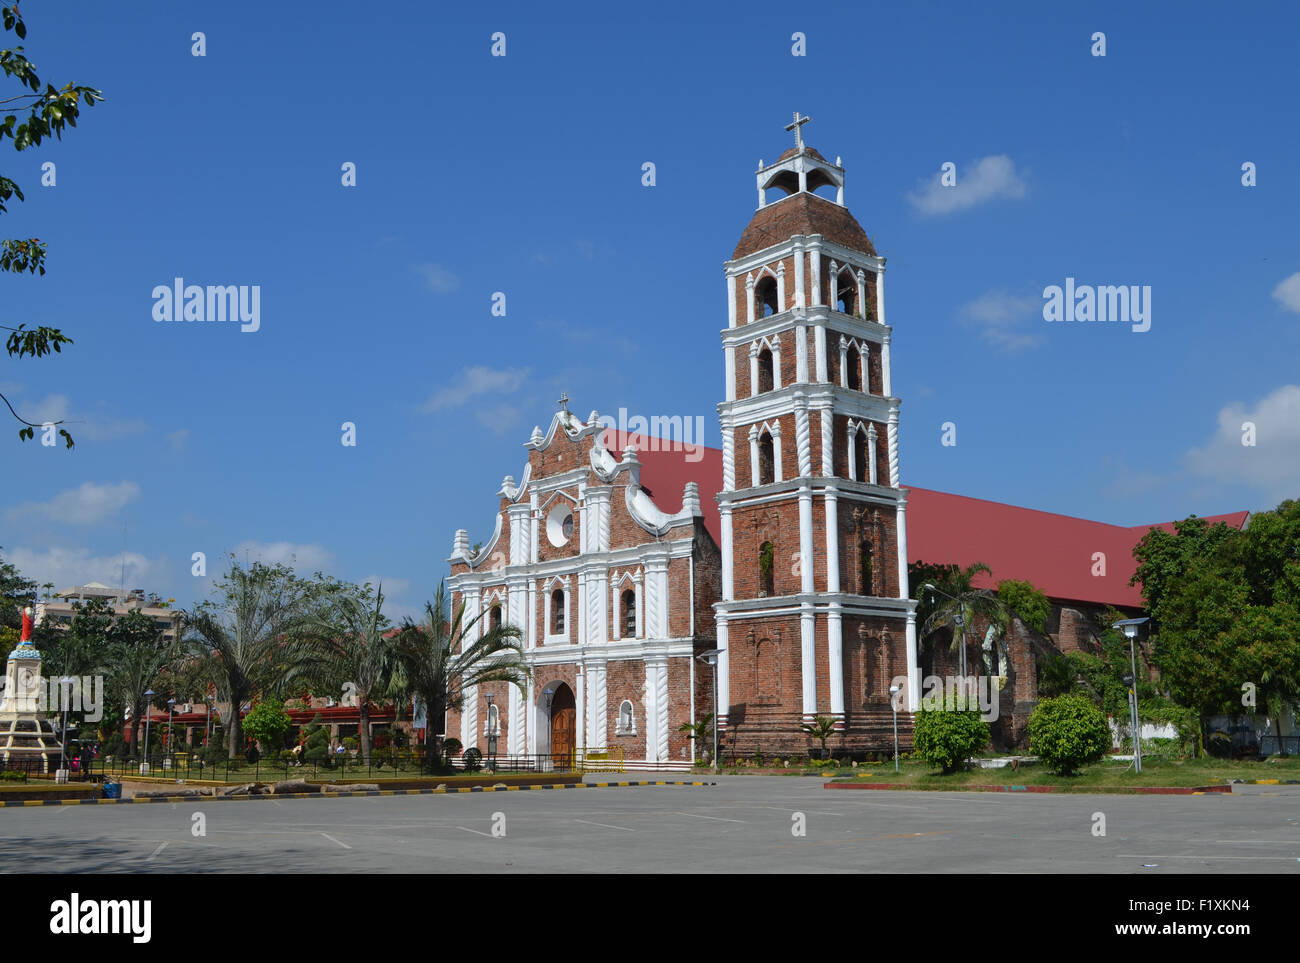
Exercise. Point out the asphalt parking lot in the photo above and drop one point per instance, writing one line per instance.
(743, 824)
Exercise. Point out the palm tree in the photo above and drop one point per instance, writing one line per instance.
(138, 653)
(255, 639)
(957, 603)
(440, 659)
(698, 730)
(821, 728)
(355, 637)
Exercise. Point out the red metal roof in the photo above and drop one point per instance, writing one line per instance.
(666, 467)
(1054, 552)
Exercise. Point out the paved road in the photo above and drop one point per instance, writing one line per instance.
(743, 825)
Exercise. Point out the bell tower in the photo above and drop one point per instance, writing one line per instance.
(815, 618)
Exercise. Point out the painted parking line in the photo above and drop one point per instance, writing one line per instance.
(474, 831)
(604, 825)
(161, 847)
(1286, 859)
(717, 818)
(333, 840)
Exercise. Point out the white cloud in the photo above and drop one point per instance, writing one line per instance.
(393, 587)
(304, 559)
(1272, 464)
(178, 439)
(1007, 321)
(100, 426)
(474, 381)
(498, 419)
(1287, 293)
(978, 182)
(76, 566)
(86, 504)
(438, 278)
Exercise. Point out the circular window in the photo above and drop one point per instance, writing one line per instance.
(559, 524)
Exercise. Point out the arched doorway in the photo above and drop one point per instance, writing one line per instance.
(564, 717)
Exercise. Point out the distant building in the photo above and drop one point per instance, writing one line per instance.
(62, 608)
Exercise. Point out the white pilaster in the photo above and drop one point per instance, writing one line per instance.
(753, 369)
(749, 298)
(724, 672)
(880, 294)
(778, 474)
(801, 354)
(753, 456)
(780, 287)
(886, 377)
(728, 556)
(815, 258)
(892, 440)
(835, 659)
(871, 453)
(799, 294)
(731, 301)
(828, 442)
(832, 542)
(819, 352)
(803, 437)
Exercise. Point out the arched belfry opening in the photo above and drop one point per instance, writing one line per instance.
(765, 297)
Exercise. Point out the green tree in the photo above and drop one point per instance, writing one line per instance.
(439, 659)
(350, 626)
(254, 637)
(1068, 732)
(699, 731)
(1027, 601)
(16, 592)
(957, 604)
(137, 653)
(267, 722)
(48, 113)
(82, 648)
(948, 737)
(1163, 559)
(821, 729)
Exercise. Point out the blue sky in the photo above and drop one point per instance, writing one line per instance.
(522, 174)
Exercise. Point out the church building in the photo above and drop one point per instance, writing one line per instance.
(620, 577)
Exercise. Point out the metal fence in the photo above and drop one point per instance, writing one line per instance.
(338, 767)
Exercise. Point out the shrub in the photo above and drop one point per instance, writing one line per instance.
(947, 738)
(1068, 732)
(350, 742)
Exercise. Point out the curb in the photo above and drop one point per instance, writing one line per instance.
(1083, 790)
(1264, 782)
(339, 795)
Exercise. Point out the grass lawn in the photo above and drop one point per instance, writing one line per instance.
(1104, 774)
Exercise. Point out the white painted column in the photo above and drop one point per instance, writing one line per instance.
(853, 451)
(886, 378)
(729, 356)
(832, 542)
(780, 287)
(753, 369)
(580, 707)
(753, 456)
(731, 301)
(801, 354)
(728, 456)
(892, 432)
(808, 667)
(805, 540)
(871, 453)
(913, 666)
(803, 436)
(519, 736)
(844, 361)
(835, 659)
(724, 672)
(862, 294)
(638, 586)
(651, 712)
(749, 298)
(728, 555)
(776, 362)
(819, 352)
(778, 474)
(864, 359)
(828, 442)
(880, 294)
(799, 294)
(815, 255)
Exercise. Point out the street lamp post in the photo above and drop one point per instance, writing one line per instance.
(65, 698)
(148, 704)
(1130, 628)
(711, 658)
(961, 623)
(171, 714)
(893, 704)
(492, 734)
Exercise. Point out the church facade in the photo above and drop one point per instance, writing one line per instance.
(795, 578)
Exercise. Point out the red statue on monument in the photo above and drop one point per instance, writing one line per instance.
(26, 637)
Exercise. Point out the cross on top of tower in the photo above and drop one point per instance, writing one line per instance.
(563, 401)
(797, 127)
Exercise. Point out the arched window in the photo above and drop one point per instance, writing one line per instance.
(846, 297)
(853, 366)
(765, 297)
(557, 612)
(626, 720)
(866, 577)
(860, 467)
(766, 377)
(629, 614)
(767, 569)
(494, 617)
(766, 459)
